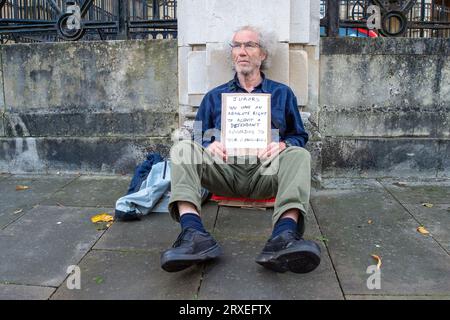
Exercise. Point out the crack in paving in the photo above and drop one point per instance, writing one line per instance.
(328, 251)
(411, 214)
(204, 267)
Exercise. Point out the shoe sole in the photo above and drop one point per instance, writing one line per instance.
(297, 260)
(172, 262)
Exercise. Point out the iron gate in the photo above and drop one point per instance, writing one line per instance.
(405, 18)
(57, 20)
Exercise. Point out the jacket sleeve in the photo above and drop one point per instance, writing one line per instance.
(295, 133)
(204, 122)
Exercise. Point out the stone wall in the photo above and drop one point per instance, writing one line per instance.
(385, 107)
(382, 110)
(86, 106)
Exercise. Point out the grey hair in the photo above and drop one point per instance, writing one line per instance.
(267, 43)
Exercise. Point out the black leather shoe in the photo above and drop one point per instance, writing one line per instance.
(288, 251)
(191, 247)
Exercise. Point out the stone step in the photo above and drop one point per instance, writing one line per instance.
(377, 157)
(43, 123)
(117, 155)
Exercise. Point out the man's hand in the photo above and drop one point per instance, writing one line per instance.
(272, 150)
(217, 149)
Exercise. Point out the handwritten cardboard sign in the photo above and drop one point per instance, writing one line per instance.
(245, 122)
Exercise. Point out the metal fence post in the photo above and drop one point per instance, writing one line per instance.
(123, 15)
(333, 18)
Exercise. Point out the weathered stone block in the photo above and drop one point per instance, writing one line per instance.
(444, 153)
(195, 99)
(2, 98)
(393, 121)
(92, 76)
(382, 80)
(272, 16)
(312, 105)
(304, 22)
(183, 53)
(218, 64)
(314, 23)
(78, 124)
(214, 21)
(278, 69)
(101, 154)
(442, 79)
(382, 157)
(315, 149)
(298, 75)
(196, 72)
(384, 46)
(2, 126)
(192, 16)
(370, 88)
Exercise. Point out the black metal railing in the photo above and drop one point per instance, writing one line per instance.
(404, 18)
(64, 20)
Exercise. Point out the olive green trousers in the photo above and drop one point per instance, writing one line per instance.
(286, 176)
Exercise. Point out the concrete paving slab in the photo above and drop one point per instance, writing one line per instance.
(157, 231)
(412, 195)
(346, 184)
(91, 191)
(436, 220)
(417, 192)
(13, 204)
(130, 275)
(20, 292)
(242, 234)
(38, 248)
(244, 224)
(412, 264)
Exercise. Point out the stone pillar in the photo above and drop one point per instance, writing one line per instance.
(205, 28)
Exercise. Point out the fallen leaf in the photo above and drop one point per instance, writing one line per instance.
(102, 217)
(422, 230)
(102, 225)
(428, 205)
(400, 184)
(20, 188)
(378, 260)
(18, 211)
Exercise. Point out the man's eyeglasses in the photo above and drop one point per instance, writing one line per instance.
(247, 45)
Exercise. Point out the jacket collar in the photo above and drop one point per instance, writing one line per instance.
(234, 84)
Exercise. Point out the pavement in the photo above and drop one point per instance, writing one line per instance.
(46, 228)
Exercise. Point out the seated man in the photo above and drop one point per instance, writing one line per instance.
(194, 165)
